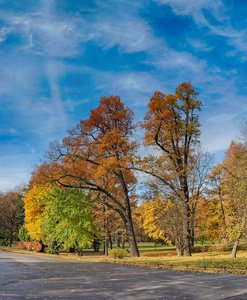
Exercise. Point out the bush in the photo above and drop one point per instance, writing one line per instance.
(4, 242)
(118, 253)
(226, 247)
(30, 246)
(96, 245)
(200, 249)
(23, 236)
(79, 251)
(54, 251)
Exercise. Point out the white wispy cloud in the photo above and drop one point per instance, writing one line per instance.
(220, 12)
(48, 35)
(131, 35)
(199, 45)
(4, 33)
(194, 8)
(12, 131)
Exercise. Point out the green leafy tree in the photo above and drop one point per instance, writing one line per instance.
(68, 209)
(23, 234)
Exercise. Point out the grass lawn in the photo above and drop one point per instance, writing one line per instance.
(164, 257)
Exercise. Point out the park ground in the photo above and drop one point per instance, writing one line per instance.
(163, 257)
(25, 276)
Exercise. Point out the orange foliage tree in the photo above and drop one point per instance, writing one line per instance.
(96, 156)
(171, 126)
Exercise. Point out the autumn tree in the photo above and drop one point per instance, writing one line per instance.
(209, 224)
(11, 213)
(172, 128)
(96, 157)
(108, 223)
(216, 188)
(235, 187)
(200, 165)
(34, 205)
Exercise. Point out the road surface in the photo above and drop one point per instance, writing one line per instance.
(25, 276)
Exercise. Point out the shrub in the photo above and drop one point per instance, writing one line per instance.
(30, 246)
(79, 251)
(118, 253)
(96, 245)
(224, 247)
(23, 236)
(200, 249)
(54, 251)
(4, 242)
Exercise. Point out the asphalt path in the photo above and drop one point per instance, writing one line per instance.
(25, 276)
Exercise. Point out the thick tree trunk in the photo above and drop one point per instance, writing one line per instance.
(179, 247)
(186, 229)
(192, 229)
(235, 248)
(134, 252)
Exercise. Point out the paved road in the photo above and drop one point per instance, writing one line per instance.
(39, 277)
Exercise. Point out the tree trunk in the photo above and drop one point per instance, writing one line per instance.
(106, 247)
(110, 240)
(134, 252)
(179, 247)
(221, 205)
(186, 229)
(106, 231)
(192, 227)
(118, 240)
(235, 248)
(242, 227)
(11, 236)
(123, 242)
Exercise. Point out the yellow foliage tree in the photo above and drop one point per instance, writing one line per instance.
(162, 220)
(35, 203)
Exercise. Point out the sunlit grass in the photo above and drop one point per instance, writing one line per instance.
(164, 258)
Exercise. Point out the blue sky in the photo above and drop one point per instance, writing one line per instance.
(59, 57)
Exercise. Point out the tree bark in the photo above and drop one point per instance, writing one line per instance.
(235, 248)
(186, 229)
(110, 240)
(134, 252)
(179, 247)
(118, 240)
(106, 246)
(11, 236)
(192, 228)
